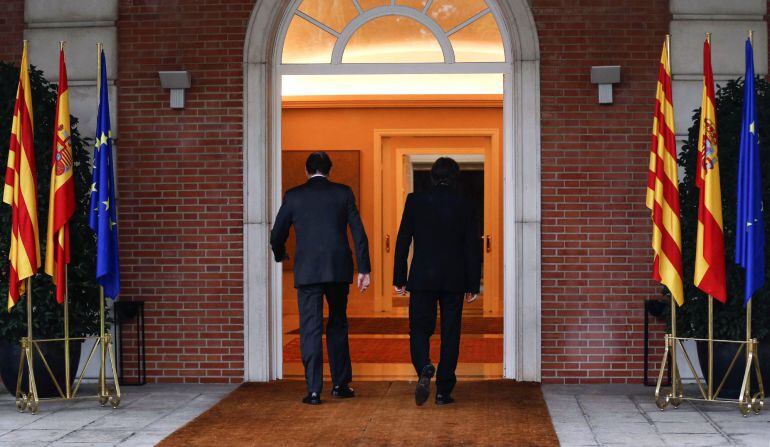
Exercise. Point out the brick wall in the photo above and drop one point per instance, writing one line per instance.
(180, 183)
(595, 231)
(11, 31)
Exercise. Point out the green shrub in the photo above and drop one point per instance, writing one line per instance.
(83, 290)
(730, 318)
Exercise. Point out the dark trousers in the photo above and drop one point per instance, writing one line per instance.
(311, 307)
(422, 323)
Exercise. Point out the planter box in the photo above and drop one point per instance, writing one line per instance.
(54, 354)
(723, 355)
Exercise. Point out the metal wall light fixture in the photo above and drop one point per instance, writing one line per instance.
(605, 76)
(177, 82)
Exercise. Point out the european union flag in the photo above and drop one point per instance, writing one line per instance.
(750, 225)
(103, 218)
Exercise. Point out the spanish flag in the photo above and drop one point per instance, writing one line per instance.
(21, 190)
(61, 204)
(709, 251)
(663, 188)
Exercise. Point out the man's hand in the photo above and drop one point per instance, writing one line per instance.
(364, 279)
(400, 290)
(471, 297)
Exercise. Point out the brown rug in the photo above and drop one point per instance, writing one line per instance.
(396, 350)
(487, 413)
(372, 325)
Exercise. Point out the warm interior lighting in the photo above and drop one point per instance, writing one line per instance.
(393, 84)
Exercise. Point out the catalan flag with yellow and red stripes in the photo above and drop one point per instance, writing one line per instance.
(663, 188)
(21, 190)
(709, 250)
(61, 202)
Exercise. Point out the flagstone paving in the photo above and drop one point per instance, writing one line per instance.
(146, 415)
(583, 415)
(626, 415)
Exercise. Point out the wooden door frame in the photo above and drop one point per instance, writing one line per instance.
(378, 246)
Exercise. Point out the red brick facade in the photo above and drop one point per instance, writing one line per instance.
(181, 185)
(595, 230)
(11, 31)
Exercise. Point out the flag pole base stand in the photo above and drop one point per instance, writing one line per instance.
(746, 401)
(29, 401)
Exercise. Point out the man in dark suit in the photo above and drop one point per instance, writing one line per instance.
(446, 267)
(321, 212)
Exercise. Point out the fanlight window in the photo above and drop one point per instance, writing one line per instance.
(392, 31)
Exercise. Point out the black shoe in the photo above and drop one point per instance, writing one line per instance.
(343, 392)
(312, 399)
(444, 399)
(422, 392)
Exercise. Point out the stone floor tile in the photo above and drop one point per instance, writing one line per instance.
(702, 440)
(686, 428)
(24, 436)
(71, 419)
(676, 416)
(26, 444)
(80, 444)
(144, 439)
(752, 440)
(98, 436)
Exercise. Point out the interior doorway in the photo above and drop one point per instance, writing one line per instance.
(382, 147)
(406, 156)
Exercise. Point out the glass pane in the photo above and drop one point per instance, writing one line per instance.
(333, 13)
(392, 84)
(450, 13)
(416, 4)
(371, 4)
(307, 44)
(392, 39)
(479, 42)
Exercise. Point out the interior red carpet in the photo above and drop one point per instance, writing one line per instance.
(396, 350)
(374, 325)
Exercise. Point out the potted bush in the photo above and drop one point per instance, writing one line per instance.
(729, 318)
(48, 316)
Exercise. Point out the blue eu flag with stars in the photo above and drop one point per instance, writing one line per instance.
(750, 225)
(103, 217)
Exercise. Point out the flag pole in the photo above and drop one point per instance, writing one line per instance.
(749, 345)
(675, 372)
(748, 305)
(67, 378)
(32, 387)
(102, 351)
(711, 307)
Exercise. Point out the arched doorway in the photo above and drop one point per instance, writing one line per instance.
(264, 64)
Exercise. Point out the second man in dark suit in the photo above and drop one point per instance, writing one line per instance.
(446, 267)
(321, 212)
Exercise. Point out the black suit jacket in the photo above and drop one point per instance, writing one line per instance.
(321, 212)
(447, 246)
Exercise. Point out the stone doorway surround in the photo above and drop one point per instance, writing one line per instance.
(521, 142)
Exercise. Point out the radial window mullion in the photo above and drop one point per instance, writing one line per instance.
(477, 16)
(358, 7)
(318, 24)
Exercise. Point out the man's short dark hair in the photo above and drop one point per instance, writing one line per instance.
(444, 172)
(318, 163)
